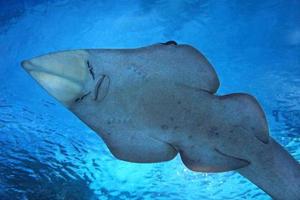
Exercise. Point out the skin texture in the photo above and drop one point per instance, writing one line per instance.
(151, 103)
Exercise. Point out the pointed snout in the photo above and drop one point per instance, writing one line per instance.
(26, 64)
(62, 74)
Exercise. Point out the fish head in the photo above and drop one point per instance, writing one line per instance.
(64, 75)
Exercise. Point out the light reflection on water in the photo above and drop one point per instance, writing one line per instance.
(47, 153)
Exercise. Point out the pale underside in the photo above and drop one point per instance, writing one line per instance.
(150, 103)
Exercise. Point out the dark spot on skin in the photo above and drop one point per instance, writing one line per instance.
(82, 97)
(252, 128)
(190, 137)
(176, 127)
(172, 118)
(171, 42)
(178, 102)
(107, 133)
(213, 128)
(91, 69)
(188, 111)
(108, 122)
(164, 127)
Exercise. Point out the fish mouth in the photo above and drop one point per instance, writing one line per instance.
(63, 80)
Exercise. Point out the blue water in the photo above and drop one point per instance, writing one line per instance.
(47, 153)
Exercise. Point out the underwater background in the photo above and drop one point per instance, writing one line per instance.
(47, 153)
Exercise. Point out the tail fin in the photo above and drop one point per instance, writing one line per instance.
(271, 167)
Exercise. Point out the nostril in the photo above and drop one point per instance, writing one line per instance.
(91, 70)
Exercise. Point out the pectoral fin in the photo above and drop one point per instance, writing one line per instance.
(212, 161)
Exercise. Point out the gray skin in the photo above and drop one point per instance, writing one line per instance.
(150, 103)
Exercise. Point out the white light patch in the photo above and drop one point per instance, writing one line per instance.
(61, 88)
(68, 64)
(62, 74)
